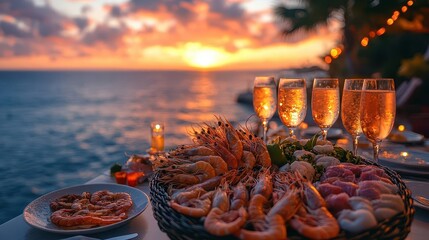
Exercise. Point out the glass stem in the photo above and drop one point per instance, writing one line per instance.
(376, 147)
(324, 134)
(291, 131)
(265, 125)
(355, 144)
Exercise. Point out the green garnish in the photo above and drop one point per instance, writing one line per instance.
(115, 168)
(312, 142)
(276, 154)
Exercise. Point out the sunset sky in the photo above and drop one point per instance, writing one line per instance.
(149, 34)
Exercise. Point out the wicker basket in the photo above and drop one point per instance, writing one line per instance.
(178, 226)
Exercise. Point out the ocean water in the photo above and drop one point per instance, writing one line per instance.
(59, 129)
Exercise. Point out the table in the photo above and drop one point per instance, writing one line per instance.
(147, 228)
(145, 224)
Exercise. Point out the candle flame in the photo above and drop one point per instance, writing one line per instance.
(401, 128)
(404, 154)
(157, 126)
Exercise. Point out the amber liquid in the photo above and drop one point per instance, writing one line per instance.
(325, 106)
(292, 106)
(350, 111)
(157, 142)
(378, 110)
(264, 101)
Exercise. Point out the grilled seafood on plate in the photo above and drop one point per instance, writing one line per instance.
(89, 210)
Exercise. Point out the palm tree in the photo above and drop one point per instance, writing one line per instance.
(360, 19)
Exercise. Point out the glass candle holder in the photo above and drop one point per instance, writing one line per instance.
(157, 137)
(133, 178)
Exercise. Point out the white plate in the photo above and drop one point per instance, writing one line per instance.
(38, 212)
(332, 132)
(418, 188)
(416, 160)
(405, 137)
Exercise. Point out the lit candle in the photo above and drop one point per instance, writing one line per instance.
(132, 178)
(121, 177)
(401, 128)
(157, 134)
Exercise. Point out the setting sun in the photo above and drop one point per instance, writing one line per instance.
(204, 57)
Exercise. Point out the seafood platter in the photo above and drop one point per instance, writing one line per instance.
(229, 184)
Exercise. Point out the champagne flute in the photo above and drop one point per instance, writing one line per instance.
(350, 109)
(325, 103)
(292, 102)
(265, 100)
(377, 110)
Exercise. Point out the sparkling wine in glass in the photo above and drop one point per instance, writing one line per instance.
(325, 103)
(350, 109)
(264, 100)
(292, 102)
(377, 110)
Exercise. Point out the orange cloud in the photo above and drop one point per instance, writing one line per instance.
(154, 35)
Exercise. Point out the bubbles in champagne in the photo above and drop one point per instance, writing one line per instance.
(325, 106)
(378, 110)
(292, 105)
(264, 101)
(350, 111)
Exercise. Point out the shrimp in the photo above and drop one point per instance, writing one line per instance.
(287, 205)
(218, 164)
(202, 170)
(240, 196)
(248, 160)
(256, 210)
(313, 220)
(217, 139)
(180, 180)
(264, 185)
(221, 199)
(220, 223)
(67, 201)
(71, 218)
(283, 182)
(119, 202)
(255, 145)
(275, 230)
(192, 150)
(184, 196)
(316, 224)
(225, 154)
(208, 185)
(312, 197)
(193, 208)
(232, 138)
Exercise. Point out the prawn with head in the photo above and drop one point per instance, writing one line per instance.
(284, 182)
(313, 220)
(222, 139)
(187, 174)
(223, 219)
(264, 184)
(194, 203)
(218, 164)
(191, 150)
(274, 228)
(256, 146)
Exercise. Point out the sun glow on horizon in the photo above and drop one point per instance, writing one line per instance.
(196, 55)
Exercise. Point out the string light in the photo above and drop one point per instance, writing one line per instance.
(336, 52)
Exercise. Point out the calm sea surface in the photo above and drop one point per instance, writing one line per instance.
(59, 129)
